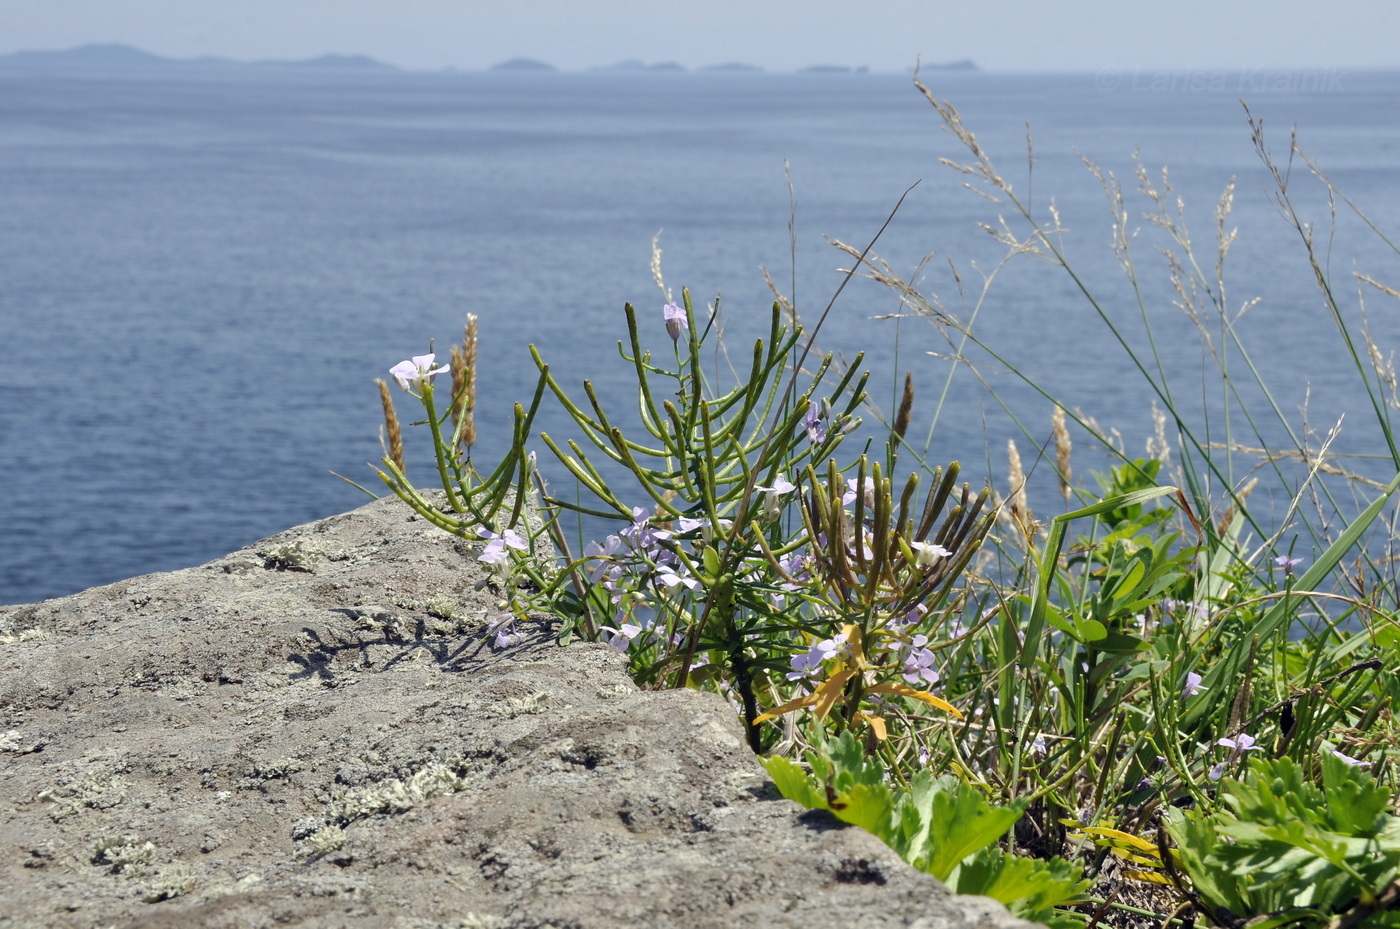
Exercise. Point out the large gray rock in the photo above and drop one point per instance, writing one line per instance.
(314, 732)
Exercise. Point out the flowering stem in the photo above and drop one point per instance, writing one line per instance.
(439, 451)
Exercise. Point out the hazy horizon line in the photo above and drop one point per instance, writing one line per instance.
(964, 65)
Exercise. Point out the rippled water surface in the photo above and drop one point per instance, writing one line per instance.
(200, 276)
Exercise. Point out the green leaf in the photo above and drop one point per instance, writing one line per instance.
(961, 822)
(1030, 888)
(795, 783)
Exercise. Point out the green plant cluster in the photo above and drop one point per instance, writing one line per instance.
(1166, 684)
(940, 825)
(1307, 853)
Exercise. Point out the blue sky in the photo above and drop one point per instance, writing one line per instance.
(884, 35)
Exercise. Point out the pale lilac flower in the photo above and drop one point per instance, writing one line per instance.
(866, 552)
(927, 554)
(1244, 742)
(621, 637)
(1188, 609)
(671, 578)
(910, 618)
(957, 628)
(1287, 564)
(796, 567)
(688, 524)
(772, 496)
(806, 667)
(1192, 685)
(853, 487)
(501, 627)
(1353, 762)
(641, 534)
(918, 663)
(1038, 745)
(676, 321)
(605, 554)
(834, 647)
(495, 551)
(816, 432)
(419, 368)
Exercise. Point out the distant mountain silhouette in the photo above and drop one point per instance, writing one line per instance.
(633, 64)
(735, 66)
(114, 57)
(965, 64)
(523, 64)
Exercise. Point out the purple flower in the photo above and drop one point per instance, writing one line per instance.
(1287, 564)
(621, 637)
(1353, 762)
(501, 627)
(495, 551)
(816, 432)
(853, 487)
(909, 618)
(641, 535)
(1192, 685)
(805, 667)
(676, 321)
(808, 666)
(671, 578)
(796, 567)
(419, 368)
(918, 663)
(1244, 742)
(605, 555)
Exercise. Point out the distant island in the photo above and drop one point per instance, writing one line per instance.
(523, 64)
(632, 64)
(733, 66)
(965, 64)
(114, 57)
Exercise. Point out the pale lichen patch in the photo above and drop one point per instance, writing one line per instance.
(396, 795)
(325, 840)
(127, 855)
(94, 791)
(297, 555)
(170, 882)
(522, 706)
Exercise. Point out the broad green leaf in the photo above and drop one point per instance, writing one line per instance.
(1029, 887)
(795, 783)
(963, 822)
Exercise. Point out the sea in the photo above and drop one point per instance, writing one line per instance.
(202, 274)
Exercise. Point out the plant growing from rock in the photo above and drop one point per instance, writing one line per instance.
(745, 558)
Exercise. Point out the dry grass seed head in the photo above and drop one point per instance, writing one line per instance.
(392, 440)
(1062, 450)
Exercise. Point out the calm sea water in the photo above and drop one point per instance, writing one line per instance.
(200, 276)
